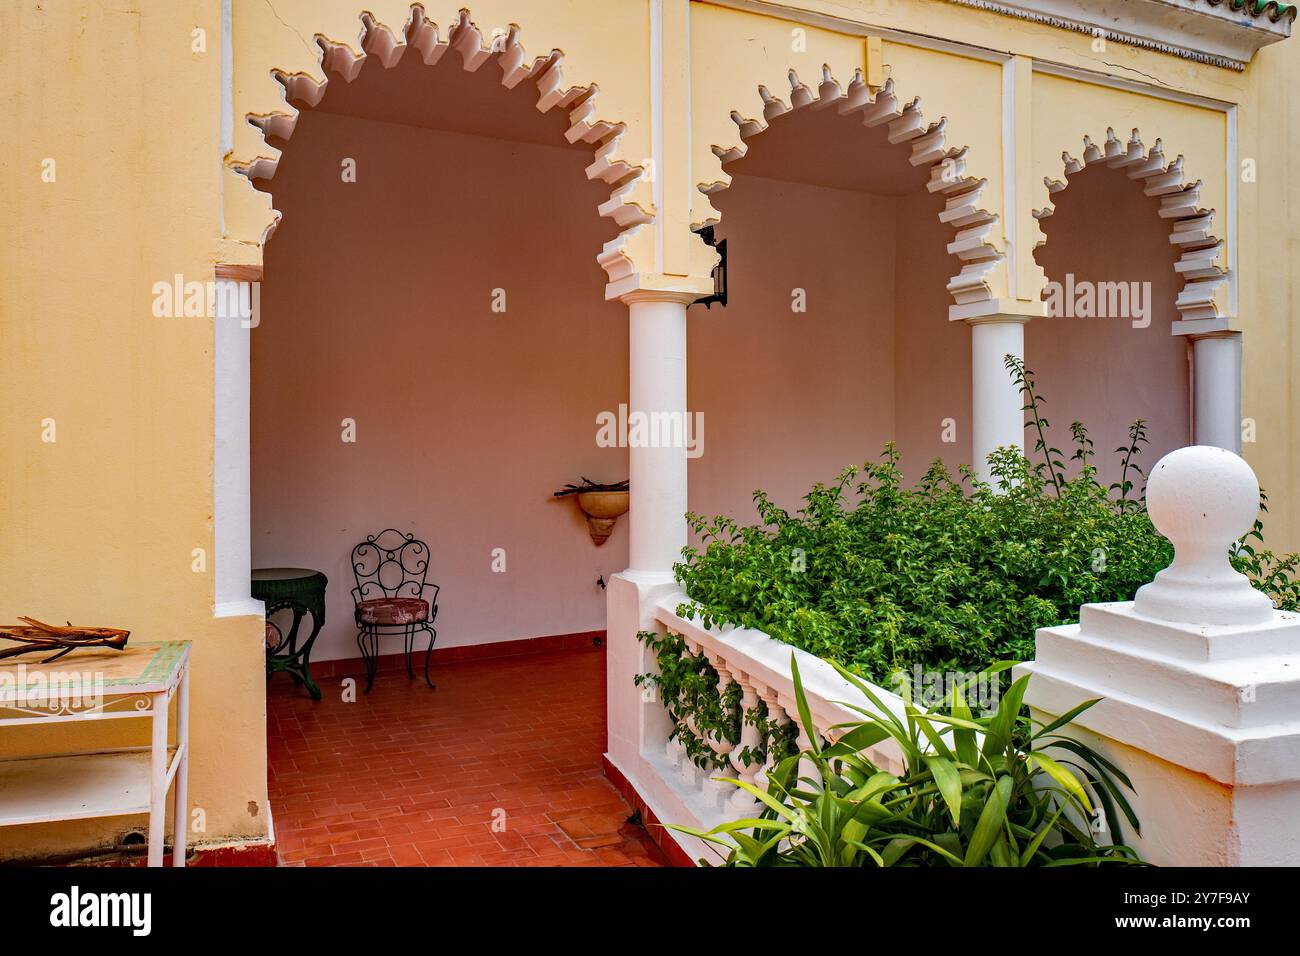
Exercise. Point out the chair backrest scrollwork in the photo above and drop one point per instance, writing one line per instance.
(391, 564)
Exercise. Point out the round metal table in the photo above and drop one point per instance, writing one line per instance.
(302, 591)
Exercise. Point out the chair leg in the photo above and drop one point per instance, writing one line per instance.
(371, 658)
(408, 638)
(433, 636)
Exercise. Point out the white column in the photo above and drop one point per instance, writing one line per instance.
(996, 403)
(656, 524)
(637, 729)
(1216, 390)
(657, 385)
(231, 494)
(1198, 680)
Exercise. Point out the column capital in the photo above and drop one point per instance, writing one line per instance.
(999, 318)
(997, 310)
(658, 287)
(1217, 331)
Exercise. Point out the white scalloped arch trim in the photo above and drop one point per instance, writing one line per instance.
(1179, 203)
(423, 37)
(974, 226)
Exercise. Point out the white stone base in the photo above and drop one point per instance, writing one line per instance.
(1205, 720)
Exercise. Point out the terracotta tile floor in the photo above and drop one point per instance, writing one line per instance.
(412, 777)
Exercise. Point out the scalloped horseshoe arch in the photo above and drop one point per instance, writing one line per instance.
(1190, 225)
(974, 226)
(422, 36)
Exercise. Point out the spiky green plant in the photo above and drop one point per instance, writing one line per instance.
(996, 790)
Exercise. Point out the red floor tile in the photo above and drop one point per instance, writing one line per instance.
(500, 766)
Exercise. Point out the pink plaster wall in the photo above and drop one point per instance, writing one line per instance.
(1104, 372)
(791, 398)
(376, 307)
(932, 357)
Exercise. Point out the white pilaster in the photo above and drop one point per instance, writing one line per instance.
(997, 416)
(1216, 386)
(1199, 681)
(236, 295)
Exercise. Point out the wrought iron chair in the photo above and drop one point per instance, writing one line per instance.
(392, 597)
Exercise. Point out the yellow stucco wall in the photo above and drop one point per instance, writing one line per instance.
(1269, 284)
(100, 526)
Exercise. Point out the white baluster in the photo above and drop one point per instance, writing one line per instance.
(807, 769)
(716, 790)
(674, 749)
(743, 803)
(776, 718)
(690, 773)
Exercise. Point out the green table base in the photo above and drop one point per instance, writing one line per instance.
(302, 591)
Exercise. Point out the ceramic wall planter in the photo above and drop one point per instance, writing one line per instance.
(602, 504)
(603, 509)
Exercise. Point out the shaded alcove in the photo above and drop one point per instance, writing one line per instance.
(1107, 371)
(447, 302)
(824, 204)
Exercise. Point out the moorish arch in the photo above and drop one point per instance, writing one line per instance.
(846, 193)
(561, 118)
(627, 203)
(1124, 223)
(925, 145)
(1191, 228)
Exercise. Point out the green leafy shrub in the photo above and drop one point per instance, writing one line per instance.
(951, 573)
(975, 791)
(1273, 575)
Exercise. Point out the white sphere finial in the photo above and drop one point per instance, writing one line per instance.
(1202, 499)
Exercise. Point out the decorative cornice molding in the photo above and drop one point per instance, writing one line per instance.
(422, 35)
(1215, 32)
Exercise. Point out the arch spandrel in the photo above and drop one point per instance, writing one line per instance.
(733, 54)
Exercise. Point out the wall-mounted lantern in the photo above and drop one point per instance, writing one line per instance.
(719, 270)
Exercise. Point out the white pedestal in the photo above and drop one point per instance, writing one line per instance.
(1200, 680)
(1205, 720)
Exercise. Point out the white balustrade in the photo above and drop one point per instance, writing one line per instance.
(681, 792)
